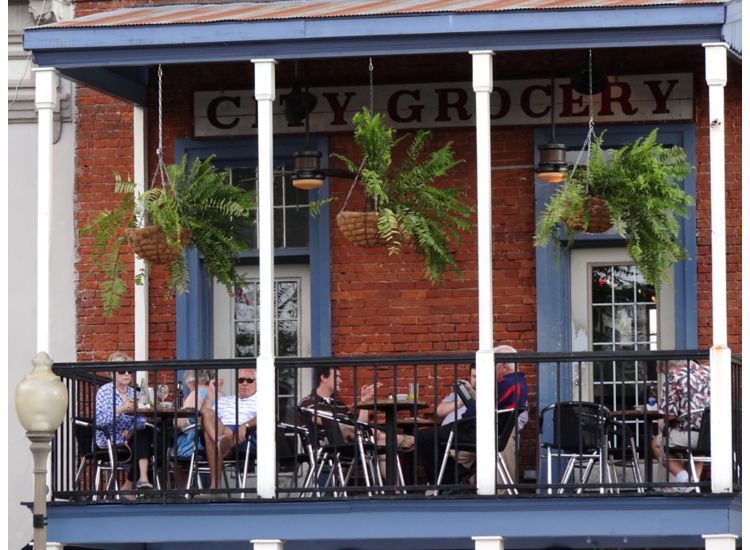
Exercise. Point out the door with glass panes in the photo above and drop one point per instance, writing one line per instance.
(236, 318)
(613, 309)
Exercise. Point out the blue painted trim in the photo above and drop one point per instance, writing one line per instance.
(195, 309)
(131, 83)
(553, 276)
(434, 27)
(662, 521)
(521, 30)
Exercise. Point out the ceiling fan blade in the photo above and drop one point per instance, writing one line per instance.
(337, 173)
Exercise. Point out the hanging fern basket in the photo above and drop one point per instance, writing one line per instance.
(600, 218)
(150, 243)
(360, 228)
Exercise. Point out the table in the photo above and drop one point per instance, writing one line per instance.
(391, 407)
(649, 417)
(408, 424)
(163, 415)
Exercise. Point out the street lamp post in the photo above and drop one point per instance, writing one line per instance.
(41, 402)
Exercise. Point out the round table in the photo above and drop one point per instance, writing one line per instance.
(162, 416)
(391, 407)
(648, 417)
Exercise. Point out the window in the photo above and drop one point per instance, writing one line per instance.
(291, 227)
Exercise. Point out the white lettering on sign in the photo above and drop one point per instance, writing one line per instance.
(513, 102)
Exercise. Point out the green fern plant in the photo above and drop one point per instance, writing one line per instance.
(411, 209)
(639, 185)
(197, 198)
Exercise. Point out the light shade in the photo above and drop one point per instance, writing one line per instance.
(41, 397)
(307, 173)
(552, 163)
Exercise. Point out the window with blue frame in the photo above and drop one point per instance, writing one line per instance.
(299, 239)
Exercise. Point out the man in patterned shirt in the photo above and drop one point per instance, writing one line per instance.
(686, 394)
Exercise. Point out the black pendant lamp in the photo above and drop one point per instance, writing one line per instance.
(552, 165)
(307, 174)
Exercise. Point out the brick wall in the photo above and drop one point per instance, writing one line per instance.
(381, 304)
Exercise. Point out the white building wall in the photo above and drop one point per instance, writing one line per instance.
(22, 150)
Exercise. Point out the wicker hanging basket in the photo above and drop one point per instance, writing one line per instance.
(600, 219)
(150, 243)
(360, 228)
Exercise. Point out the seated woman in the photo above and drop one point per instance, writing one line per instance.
(194, 401)
(115, 405)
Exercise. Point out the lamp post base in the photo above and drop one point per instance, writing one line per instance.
(40, 447)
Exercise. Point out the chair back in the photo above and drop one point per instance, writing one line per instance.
(333, 432)
(506, 423)
(703, 447)
(578, 426)
(84, 433)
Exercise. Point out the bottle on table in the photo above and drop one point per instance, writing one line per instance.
(651, 398)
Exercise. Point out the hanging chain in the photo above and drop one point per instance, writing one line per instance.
(161, 169)
(590, 135)
(370, 68)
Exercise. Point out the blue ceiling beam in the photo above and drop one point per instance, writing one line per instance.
(95, 56)
(127, 83)
(371, 35)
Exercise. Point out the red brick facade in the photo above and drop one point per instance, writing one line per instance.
(381, 304)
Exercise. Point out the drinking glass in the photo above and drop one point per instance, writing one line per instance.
(162, 392)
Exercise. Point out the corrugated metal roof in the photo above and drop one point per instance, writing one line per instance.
(324, 9)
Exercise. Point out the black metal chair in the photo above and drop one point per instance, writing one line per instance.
(334, 452)
(112, 458)
(701, 452)
(506, 422)
(579, 434)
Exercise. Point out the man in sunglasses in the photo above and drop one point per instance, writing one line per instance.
(231, 423)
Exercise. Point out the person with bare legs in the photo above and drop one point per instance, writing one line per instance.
(686, 393)
(230, 423)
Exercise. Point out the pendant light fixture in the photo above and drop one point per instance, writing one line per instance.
(307, 174)
(552, 165)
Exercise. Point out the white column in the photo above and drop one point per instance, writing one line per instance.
(486, 445)
(140, 162)
(720, 542)
(265, 93)
(46, 102)
(489, 543)
(267, 544)
(721, 377)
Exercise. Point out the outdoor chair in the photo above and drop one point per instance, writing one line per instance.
(577, 433)
(339, 457)
(506, 423)
(111, 458)
(702, 450)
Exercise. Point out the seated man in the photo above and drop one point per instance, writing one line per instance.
(232, 423)
(511, 394)
(452, 406)
(324, 398)
(686, 389)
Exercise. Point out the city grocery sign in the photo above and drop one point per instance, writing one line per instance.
(644, 98)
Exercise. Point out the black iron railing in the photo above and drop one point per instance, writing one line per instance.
(585, 425)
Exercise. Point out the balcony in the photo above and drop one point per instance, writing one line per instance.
(317, 473)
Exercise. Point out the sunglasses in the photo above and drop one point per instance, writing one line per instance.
(129, 372)
(245, 380)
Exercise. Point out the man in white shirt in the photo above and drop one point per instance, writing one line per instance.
(233, 424)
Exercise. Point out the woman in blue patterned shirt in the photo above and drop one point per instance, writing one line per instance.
(115, 405)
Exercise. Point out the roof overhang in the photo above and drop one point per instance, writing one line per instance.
(110, 55)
